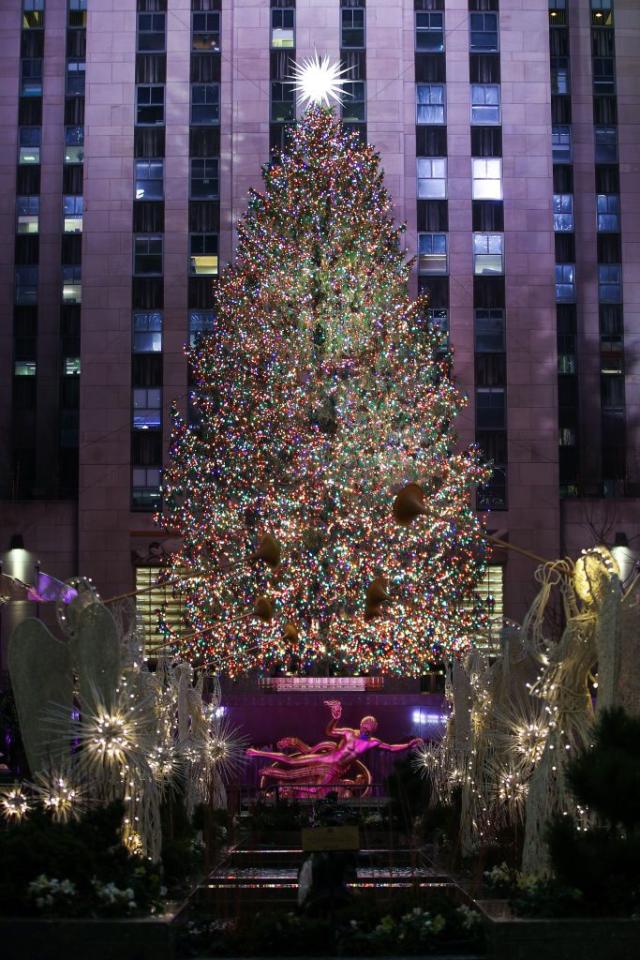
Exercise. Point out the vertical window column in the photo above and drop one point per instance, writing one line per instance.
(282, 57)
(148, 255)
(353, 57)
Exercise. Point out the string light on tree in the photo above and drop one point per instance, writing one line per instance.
(323, 503)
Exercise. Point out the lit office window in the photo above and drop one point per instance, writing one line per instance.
(74, 144)
(29, 145)
(560, 75)
(203, 250)
(72, 284)
(205, 103)
(610, 283)
(602, 13)
(24, 368)
(488, 254)
(27, 214)
(206, 32)
(430, 103)
(485, 103)
(486, 181)
(608, 206)
(561, 143)
(147, 408)
(432, 178)
(430, 32)
(149, 182)
(432, 253)
(438, 318)
(72, 207)
(565, 282)
(282, 28)
(147, 331)
(32, 14)
(563, 221)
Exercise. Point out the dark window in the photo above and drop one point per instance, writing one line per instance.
(484, 32)
(77, 13)
(72, 178)
(26, 292)
(149, 142)
(75, 78)
(604, 75)
(205, 103)
(31, 78)
(606, 139)
(560, 83)
(30, 111)
(204, 178)
(490, 331)
(430, 32)
(151, 32)
(486, 141)
(354, 108)
(148, 216)
(431, 141)
(562, 178)
(147, 255)
(151, 68)
(150, 104)
(352, 27)
(490, 408)
(204, 142)
(484, 68)
(433, 216)
(204, 216)
(283, 108)
(609, 248)
(32, 14)
(560, 109)
(149, 183)
(565, 247)
(488, 215)
(206, 32)
(605, 110)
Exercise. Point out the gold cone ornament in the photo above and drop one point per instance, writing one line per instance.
(376, 596)
(268, 550)
(290, 632)
(263, 609)
(409, 504)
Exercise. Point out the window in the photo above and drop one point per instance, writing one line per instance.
(602, 13)
(26, 285)
(560, 75)
(145, 488)
(206, 32)
(205, 103)
(75, 78)
(72, 284)
(149, 184)
(74, 144)
(151, 31)
(29, 148)
(565, 281)
(488, 254)
(147, 408)
(484, 32)
(604, 75)
(203, 259)
(610, 283)
(150, 104)
(77, 13)
(72, 209)
(71, 367)
(282, 28)
(31, 78)
(432, 253)
(147, 256)
(27, 214)
(563, 212)
(352, 28)
(204, 178)
(606, 144)
(430, 32)
(608, 206)
(567, 437)
(355, 102)
(24, 368)
(490, 408)
(485, 103)
(283, 106)
(438, 318)
(561, 143)
(486, 179)
(432, 178)
(147, 332)
(490, 331)
(430, 103)
(32, 14)
(200, 324)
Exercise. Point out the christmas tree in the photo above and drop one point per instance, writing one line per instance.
(324, 514)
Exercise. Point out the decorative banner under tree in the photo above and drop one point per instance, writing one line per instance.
(324, 514)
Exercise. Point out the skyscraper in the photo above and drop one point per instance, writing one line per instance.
(132, 132)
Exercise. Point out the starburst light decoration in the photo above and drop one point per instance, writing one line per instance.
(59, 795)
(318, 80)
(15, 804)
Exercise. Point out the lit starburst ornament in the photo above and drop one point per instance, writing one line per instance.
(59, 796)
(318, 80)
(15, 804)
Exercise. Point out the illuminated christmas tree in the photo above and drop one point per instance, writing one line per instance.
(324, 515)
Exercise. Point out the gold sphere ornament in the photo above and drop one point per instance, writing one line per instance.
(268, 550)
(409, 504)
(263, 609)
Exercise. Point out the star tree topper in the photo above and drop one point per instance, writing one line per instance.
(318, 80)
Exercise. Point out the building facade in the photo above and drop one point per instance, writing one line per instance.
(132, 131)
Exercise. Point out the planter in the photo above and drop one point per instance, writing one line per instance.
(145, 938)
(526, 938)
